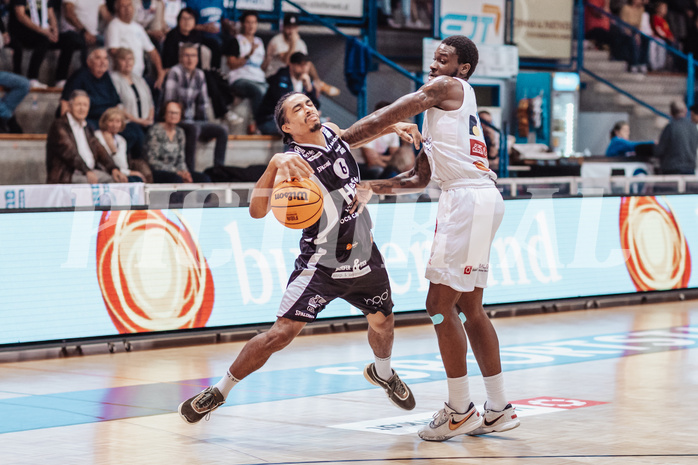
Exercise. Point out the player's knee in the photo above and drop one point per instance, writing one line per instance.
(381, 323)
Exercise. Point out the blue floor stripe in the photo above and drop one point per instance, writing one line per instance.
(73, 408)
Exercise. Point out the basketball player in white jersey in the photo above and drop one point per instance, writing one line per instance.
(338, 257)
(470, 211)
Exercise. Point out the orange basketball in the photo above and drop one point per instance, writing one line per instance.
(297, 204)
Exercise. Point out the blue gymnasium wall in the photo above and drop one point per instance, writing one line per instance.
(66, 275)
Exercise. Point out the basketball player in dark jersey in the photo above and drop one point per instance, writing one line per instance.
(338, 258)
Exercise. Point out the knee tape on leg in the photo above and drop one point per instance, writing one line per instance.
(437, 319)
(461, 317)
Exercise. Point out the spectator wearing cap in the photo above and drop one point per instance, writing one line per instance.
(285, 44)
(291, 78)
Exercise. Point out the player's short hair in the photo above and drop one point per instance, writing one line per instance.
(280, 116)
(466, 51)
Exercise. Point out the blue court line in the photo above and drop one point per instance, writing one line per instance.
(79, 407)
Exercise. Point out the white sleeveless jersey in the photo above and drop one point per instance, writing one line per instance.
(455, 145)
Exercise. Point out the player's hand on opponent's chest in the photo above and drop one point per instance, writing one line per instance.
(290, 166)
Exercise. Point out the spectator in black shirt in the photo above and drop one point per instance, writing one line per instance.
(32, 28)
(183, 33)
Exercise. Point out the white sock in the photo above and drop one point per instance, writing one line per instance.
(459, 393)
(383, 369)
(494, 386)
(226, 383)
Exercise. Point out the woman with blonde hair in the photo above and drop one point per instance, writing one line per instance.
(111, 123)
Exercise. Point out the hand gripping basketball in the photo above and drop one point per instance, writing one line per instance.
(297, 204)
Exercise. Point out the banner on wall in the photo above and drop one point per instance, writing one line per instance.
(349, 8)
(95, 274)
(480, 20)
(543, 28)
(71, 195)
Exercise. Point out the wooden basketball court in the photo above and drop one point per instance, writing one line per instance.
(605, 386)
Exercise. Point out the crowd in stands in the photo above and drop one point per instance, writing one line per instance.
(670, 22)
(155, 78)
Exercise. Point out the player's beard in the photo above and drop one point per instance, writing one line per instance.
(316, 127)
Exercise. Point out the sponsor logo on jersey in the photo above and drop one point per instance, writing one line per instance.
(474, 129)
(291, 196)
(341, 168)
(478, 148)
(322, 167)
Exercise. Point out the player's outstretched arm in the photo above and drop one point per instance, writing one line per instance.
(282, 167)
(431, 94)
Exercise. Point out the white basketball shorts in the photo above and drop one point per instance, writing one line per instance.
(466, 222)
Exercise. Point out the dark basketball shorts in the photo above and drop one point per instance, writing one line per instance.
(365, 285)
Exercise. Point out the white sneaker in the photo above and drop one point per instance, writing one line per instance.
(60, 84)
(234, 118)
(497, 420)
(35, 84)
(448, 423)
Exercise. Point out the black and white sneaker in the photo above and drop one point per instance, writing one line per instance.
(497, 421)
(398, 392)
(201, 405)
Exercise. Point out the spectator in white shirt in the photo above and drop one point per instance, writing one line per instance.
(123, 32)
(112, 122)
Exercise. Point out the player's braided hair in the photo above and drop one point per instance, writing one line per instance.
(280, 116)
(466, 51)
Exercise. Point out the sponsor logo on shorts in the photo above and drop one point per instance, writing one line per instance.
(468, 270)
(304, 314)
(314, 303)
(477, 148)
(359, 268)
(377, 301)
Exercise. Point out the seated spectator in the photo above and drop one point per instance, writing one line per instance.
(620, 146)
(95, 80)
(385, 156)
(134, 93)
(73, 153)
(79, 31)
(32, 26)
(111, 124)
(678, 142)
(186, 84)
(123, 32)
(694, 115)
(16, 87)
(597, 26)
(183, 33)
(165, 149)
(151, 15)
(291, 78)
(245, 58)
(285, 44)
(210, 17)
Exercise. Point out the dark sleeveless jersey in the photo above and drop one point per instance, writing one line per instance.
(338, 234)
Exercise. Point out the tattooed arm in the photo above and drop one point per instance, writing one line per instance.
(442, 92)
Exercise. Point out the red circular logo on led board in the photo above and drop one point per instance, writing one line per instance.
(152, 272)
(658, 255)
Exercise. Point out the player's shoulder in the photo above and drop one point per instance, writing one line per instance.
(332, 127)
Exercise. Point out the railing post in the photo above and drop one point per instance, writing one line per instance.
(690, 81)
(503, 151)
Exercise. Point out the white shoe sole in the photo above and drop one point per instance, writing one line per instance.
(179, 410)
(458, 432)
(508, 426)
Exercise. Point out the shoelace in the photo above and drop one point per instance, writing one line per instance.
(398, 387)
(207, 401)
(439, 418)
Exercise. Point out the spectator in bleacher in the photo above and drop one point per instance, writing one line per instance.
(183, 33)
(165, 148)
(151, 15)
(620, 145)
(215, 28)
(73, 153)
(597, 26)
(96, 81)
(32, 26)
(285, 44)
(124, 32)
(657, 56)
(112, 122)
(134, 93)
(186, 84)
(291, 78)
(16, 87)
(678, 142)
(79, 31)
(245, 58)
(634, 44)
